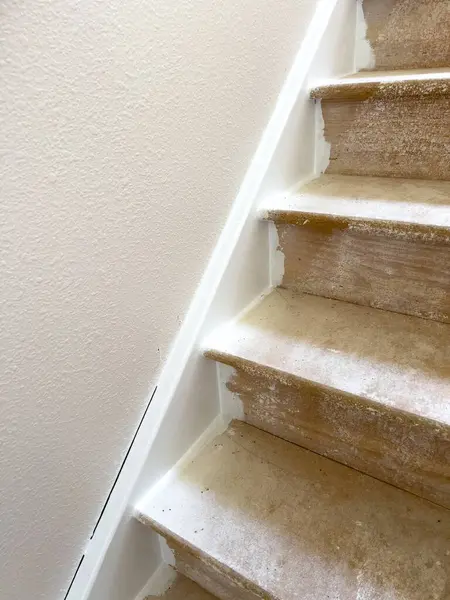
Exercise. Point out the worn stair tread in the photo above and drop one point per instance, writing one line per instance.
(278, 521)
(390, 85)
(183, 588)
(391, 206)
(397, 360)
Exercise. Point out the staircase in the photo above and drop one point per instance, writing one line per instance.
(335, 485)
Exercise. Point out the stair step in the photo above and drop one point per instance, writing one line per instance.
(387, 85)
(373, 241)
(408, 138)
(380, 205)
(408, 34)
(254, 516)
(362, 386)
(184, 589)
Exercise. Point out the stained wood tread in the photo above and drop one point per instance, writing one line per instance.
(411, 208)
(387, 358)
(389, 85)
(259, 517)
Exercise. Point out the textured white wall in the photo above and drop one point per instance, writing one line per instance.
(126, 129)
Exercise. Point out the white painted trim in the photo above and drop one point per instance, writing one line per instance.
(159, 582)
(200, 313)
(364, 57)
(231, 404)
(322, 151)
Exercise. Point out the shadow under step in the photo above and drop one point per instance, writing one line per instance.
(183, 589)
(375, 241)
(255, 517)
(365, 387)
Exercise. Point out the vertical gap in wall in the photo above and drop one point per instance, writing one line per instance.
(73, 578)
(123, 463)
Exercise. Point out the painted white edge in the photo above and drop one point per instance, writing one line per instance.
(364, 55)
(276, 261)
(323, 148)
(217, 427)
(186, 340)
(159, 582)
(164, 575)
(231, 404)
(167, 554)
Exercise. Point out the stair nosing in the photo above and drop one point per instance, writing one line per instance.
(227, 502)
(238, 362)
(216, 351)
(288, 209)
(194, 549)
(384, 85)
(374, 226)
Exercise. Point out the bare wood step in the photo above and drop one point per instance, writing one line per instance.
(386, 85)
(184, 589)
(407, 138)
(330, 233)
(256, 517)
(365, 387)
(400, 208)
(408, 34)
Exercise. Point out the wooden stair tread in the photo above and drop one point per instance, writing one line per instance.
(385, 205)
(391, 85)
(271, 520)
(183, 589)
(386, 358)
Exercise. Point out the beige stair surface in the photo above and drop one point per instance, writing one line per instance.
(254, 516)
(366, 387)
(335, 485)
(387, 85)
(401, 275)
(380, 205)
(408, 138)
(375, 241)
(408, 34)
(184, 589)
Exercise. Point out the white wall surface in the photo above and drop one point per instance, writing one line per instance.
(126, 128)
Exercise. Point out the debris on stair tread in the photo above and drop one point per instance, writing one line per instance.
(404, 205)
(384, 357)
(292, 524)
